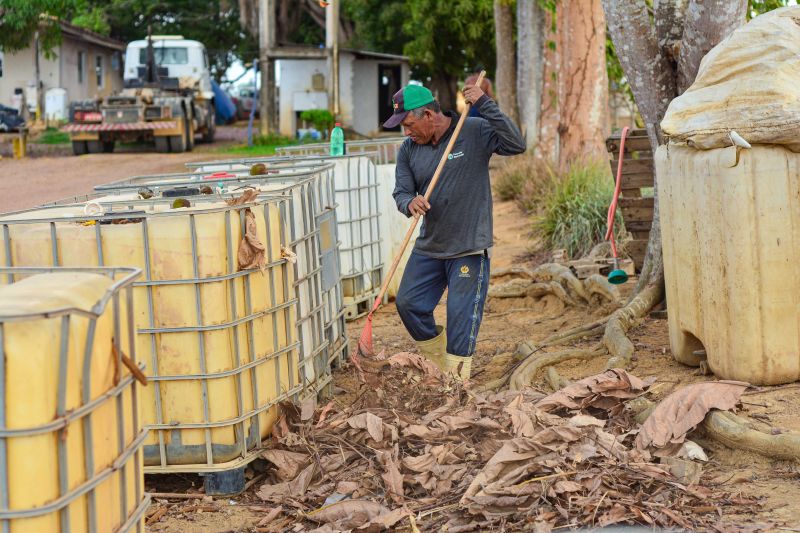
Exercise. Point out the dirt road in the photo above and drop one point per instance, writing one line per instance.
(36, 180)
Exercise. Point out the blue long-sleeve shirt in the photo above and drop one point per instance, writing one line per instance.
(460, 218)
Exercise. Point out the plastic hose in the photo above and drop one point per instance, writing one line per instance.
(612, 209)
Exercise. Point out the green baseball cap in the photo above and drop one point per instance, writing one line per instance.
(408, 98)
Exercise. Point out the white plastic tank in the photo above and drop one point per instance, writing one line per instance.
(731, 243)
(56, 104)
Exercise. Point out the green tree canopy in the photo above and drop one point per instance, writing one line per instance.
(20, 19)
(443, 40)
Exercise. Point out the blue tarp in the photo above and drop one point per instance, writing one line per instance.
(225, 108)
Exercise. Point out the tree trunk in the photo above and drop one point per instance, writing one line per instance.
(530, 67)
(707, 23)
(549, 137)
(647, 55)
(444, 87)
(582, 82)
(506, 74)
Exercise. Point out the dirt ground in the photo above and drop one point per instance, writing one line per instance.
(59, 174)
(507, 322)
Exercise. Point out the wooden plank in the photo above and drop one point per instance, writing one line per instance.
(633, 166)
(641, 235)
(633, 143)
(630, 193)
(648, 202)
(636, 214)
(637, 225)
(637, 181)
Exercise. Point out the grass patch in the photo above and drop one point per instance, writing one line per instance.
(53, 136)
(574, 210)
(525, 179)
(262, 145)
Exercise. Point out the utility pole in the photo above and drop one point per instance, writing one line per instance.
(266, 44)
(332, 46)
(39, 91)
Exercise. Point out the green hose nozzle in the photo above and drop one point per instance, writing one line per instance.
(617, 276)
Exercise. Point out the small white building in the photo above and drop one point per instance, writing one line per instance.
(86, 65)
(367, 81)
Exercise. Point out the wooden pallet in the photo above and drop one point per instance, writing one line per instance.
(637, 174)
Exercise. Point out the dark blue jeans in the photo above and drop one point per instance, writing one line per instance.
(424, 281)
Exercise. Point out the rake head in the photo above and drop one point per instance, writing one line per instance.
(365, 348)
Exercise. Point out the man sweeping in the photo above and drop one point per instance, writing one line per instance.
(454, 245)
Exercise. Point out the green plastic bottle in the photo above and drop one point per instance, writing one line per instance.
(337, 140)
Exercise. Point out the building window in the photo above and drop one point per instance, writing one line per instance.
(98, 70)
(81, 65)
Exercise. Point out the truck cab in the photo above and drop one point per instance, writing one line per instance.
(175, 57)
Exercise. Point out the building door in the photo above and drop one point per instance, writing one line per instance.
(388, 84)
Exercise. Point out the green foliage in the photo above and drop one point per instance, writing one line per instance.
(20, 19)
(757, 7)
(262, 145)
(449, 38)
(443, 40)
(575, 208)
(525, 179)
(272, 139)
(53, 136)
(616, 76)
(215, 23)
(321, 119)
(92, 18)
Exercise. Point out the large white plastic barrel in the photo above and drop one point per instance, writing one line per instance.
(731, 242)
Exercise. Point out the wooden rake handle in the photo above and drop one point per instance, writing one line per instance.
(428, 192)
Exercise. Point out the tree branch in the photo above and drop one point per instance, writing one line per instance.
(707, 23)
(649, 72)
(669, 18)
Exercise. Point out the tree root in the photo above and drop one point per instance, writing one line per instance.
(555, 381)
(526, 372)
(597, 286)
(615, 339)
(552, 278)
(736, 432)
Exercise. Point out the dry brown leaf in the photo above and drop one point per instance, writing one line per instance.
(392, 478)
(307, 408)
(270, 516)
(347, 487)
(373, 424)
(417, 361)
(349, 514)
(601, 390)
(293, 489)
(680, 412)
(289, 464)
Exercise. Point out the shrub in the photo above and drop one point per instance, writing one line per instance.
(575, 209)
(525, 179)
(321, 119)
(272, 140)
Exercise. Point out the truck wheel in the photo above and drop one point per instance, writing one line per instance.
(95, 147)
(79, 147)
(108, 146)
(178, 143)
(189, 136)
(211, 127)
(162, 145)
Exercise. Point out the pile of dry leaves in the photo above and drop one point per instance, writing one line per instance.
(417, 452)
